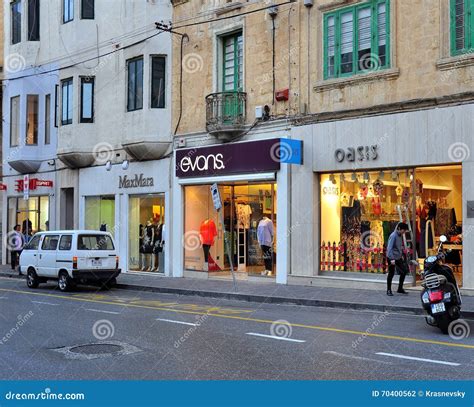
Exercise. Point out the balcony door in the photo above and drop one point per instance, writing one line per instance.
(233, 69)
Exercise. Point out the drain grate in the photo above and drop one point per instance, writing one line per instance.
(96, 349)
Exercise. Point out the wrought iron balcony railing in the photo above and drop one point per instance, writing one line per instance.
(226, 113)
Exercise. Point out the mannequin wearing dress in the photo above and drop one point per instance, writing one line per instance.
(207, 234)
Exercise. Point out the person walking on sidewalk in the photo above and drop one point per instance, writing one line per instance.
(16, 246)
(396, 259)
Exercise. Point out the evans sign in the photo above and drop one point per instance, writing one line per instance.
(137, 181)
(225, 159)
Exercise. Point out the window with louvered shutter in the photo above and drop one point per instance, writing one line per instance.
(462, 26)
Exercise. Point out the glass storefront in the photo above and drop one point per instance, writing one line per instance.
(32, 215)
(147, 233)
(250, 221)
(99, 213)
(359, 210)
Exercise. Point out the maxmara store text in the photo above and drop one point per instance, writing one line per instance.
(361, 175)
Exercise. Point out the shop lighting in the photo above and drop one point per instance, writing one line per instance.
(394, 175)
(354, 177)
(125, 165)
(342, 178)
(381, 175)
(332, 178)
(366, 177)
(108, 165)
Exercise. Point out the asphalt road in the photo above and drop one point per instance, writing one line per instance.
(150, 336)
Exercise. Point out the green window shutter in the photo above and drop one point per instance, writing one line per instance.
(458, 26)
(233, 60)
(470, 11)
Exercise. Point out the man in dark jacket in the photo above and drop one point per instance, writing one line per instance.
(395, 258)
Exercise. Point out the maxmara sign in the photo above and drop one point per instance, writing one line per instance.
(137, 181)
(237, 158)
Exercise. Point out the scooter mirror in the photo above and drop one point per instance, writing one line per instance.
(443, 239)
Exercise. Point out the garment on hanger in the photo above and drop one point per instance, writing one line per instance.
(243, 212)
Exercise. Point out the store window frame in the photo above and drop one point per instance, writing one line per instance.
(467, 26)
(135, 79)
(87, 105)
(35, 122)
(67, 100)
(15, 121)
(16, 15)
(33, 20)
(357, 62)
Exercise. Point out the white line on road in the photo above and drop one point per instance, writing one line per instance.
(343, 355)
(100, 310)
(280, 338)
(439, 362)
(44, 303)
(177, 322)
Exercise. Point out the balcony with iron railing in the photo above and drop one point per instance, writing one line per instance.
(226, 114)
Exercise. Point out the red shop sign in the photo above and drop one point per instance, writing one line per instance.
(3, 187)
(35, 183)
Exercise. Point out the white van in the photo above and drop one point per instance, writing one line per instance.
(71, 257)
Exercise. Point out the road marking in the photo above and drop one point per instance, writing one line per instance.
(343, 355)
(176, 322)
(280, 338)
(439, 362)
(100, 310)
(44, 303)
(262, 321)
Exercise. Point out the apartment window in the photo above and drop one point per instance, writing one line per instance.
(47, 119)
(15, 7)
(462, 26)
(33, 20)
(87, 9)
(158, 65)
(56, 105)
(233, 62)
(32, 119)
(68, 10)
(356, 39)
(135, 84)
(66, 101)
(87, 99)
(14, 121)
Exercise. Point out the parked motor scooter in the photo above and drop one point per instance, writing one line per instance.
(441, 298)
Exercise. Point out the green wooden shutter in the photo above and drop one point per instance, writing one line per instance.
(458, 26)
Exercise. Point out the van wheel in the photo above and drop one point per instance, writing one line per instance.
(64, 282)
(32, 280)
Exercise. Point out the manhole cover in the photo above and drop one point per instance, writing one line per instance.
(96, 349)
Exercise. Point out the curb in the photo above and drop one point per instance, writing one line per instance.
(273, 300)
(284, 300)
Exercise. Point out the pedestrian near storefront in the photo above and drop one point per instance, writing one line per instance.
(16, 246)
(396, 260)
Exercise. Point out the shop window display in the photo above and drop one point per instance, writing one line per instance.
(249, 213)
(360, 210)
(147, 233)
(100, 213)
(32, 215)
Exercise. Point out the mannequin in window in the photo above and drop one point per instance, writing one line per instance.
(157, 246)
(207, 234)
(265, 240)
(148, 237)
(141, 248)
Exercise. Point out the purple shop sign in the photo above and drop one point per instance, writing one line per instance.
(226, 159)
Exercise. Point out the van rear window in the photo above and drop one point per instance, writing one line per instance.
(94, 242)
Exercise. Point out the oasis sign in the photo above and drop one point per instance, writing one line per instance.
(361, 153)
(238, 158)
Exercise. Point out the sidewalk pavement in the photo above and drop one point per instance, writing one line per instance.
(346, 298)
